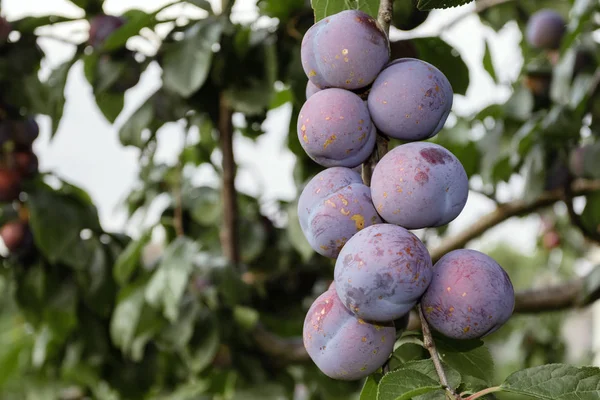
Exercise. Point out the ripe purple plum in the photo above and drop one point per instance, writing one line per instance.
(343, 346)
(410, 100)
(346, 50)
(419, 185)
(311, 89)
(470, 295)
(333, 207)
(545, 29)
(381, 272)
(335, 129)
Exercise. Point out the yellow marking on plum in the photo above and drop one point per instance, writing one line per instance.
(448, 289)
(451, 309)
(341, 117)
(380, 208)
(312, 73)
(361, 80)
(359, 221)
(399, 190)
(380, 297)
(466, 329)
(383, 338)
(407, 116)
(349, 280)
(384, 101)
(330, 203)
(327, 118)
(345, 51)
(343, 199)
(437, 88)
(364, 339)
(385, 195)
(361, 137)
(364, 368)
(361, 321)
(348, 81)
(469, 309)
(464, 294)
(345, 212)
(330, 140)
(324, 247)
(378, 327)
(305, 138)
(375, 351)
(429, 310)
(396, 212)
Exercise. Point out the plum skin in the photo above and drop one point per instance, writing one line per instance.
(410, 100)
(335, 129)
(341, 345)
(346, 50)
(381, 272)
(419, 185)
(470, 295)
(334, 206)
(311, 89)
(545, 29)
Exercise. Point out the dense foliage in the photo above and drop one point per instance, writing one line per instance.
(87, 313)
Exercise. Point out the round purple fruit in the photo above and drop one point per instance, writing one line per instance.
(381, 272)
(410, 100)
(419, 185)
(335, 129)
(470, 295)
(346, 50)
(311, 89)
(545, 29)
(333, 207)
(343, 346)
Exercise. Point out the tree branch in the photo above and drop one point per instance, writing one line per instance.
(384, 15)
(229, 243)
(506, 211)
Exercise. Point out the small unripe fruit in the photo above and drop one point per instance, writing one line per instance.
(13, 235)
(545, 29)
(10, 184)
(101, 26)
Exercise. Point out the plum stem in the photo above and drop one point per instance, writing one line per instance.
(429, 344)
(384, 16)
(483, 393)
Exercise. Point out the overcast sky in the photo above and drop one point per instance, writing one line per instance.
(87, 152)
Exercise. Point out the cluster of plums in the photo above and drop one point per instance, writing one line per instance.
(382, 269)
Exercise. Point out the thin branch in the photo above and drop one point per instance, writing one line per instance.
(283, 350)
(576, 218)
(429, 345)
(484, 392)
(229, 242)
(506, 211)
(384, 16)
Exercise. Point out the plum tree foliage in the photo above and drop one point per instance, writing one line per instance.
(357, 289)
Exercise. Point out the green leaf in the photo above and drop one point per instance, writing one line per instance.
(447, 59)
(187, 62)
(325, 8)
(203, 4)
(57, 221)
(488, 63)
(170, 279)
(404, 384)
(468, 357)
(556, 382)
(126, 315)
(56, 92)
(369, 390)
(246, 317)
(426, 367)
(129, 259)
(425, 5)
(111, 104)
(131, 133)
(204, 345)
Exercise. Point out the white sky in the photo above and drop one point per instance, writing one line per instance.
(87, 152)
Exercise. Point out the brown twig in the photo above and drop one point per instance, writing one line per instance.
(506, 211)
(229, 243)
(429, 345)
(576, 218)
(384, 15)
(480, 6)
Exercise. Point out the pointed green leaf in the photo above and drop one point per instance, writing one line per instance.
(556, 382)
(369, 390)
(468, 357)
(129, 259)
(56, 92)
(425, 5)
(404, 384)
(187, 62)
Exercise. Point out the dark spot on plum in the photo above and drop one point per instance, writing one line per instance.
(421, 178)
(435, 156)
